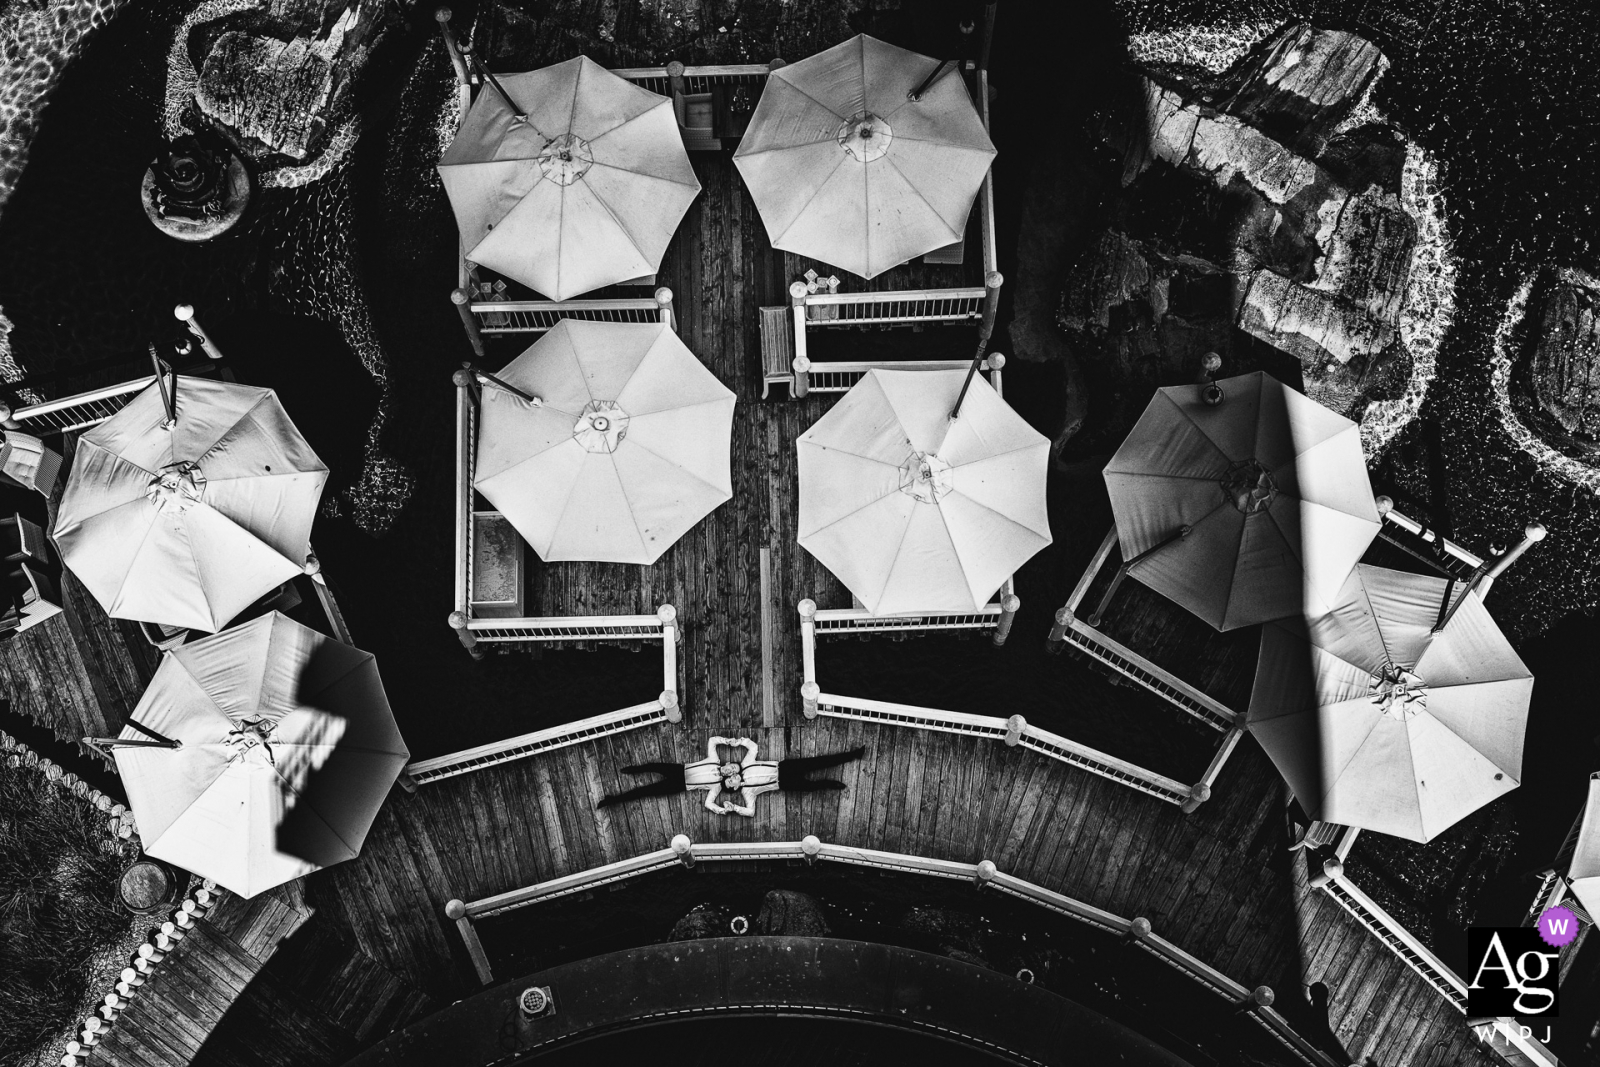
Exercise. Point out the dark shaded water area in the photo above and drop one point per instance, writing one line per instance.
(1092, 967)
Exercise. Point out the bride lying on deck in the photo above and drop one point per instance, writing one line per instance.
(740, 779)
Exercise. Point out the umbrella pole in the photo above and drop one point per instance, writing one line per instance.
(513, 390)
(169, 397)
(1128, 565)
(1444, 603)
(483, 72)
(992, 282)
(933, 76)
(1488, 570)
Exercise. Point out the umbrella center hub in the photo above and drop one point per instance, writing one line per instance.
(566, 159)
(925, 476)
(1249, 486)
(177, 485)
(249, 742)
(1399, 692)
(601, 426)
(866, 137)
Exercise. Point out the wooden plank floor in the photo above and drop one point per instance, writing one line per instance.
(1219, 883)
(81, 672)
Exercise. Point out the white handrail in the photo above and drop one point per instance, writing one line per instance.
(983, 873)
(530, 744)
(578, 622)
(891, 296)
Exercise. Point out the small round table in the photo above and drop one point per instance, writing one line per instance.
(148, 885)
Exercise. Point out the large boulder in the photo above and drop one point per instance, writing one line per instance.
(706, 920)
(1292, 233)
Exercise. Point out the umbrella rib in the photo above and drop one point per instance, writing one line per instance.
(1355, 750)
(671, 463)
(993, 511)
(622, 226)
(924, 199)
(633, 518)
(809, 97)
(854, 511)
(1192, 527)
(814, 194)
(315, 814)
(644, 174)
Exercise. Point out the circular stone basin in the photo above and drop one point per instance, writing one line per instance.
(203, 222)
(147, 886)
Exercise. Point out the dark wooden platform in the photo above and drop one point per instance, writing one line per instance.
(1219, 883)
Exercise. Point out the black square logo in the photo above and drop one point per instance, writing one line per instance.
(1511, 972)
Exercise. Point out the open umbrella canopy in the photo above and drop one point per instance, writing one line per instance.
(1584, 872)
(1376, 721)
(845, 168)
(914, 510)
(189, 525)
(1272, 486)
(580, 186)
(624, 451)
(287, 748)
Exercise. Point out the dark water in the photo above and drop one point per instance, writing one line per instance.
(1079, 962)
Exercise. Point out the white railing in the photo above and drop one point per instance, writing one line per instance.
(984, 874)
(537, 316)
(532, 744)
(1013, 731)
(77, 412)
(1415, 954)
(904, 308)
(831, 622)
(1071, 630)
(1444, 553)
(840, 377)
(1018, 732)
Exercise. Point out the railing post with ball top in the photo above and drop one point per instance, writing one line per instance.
(462, 299)
(456, 911)
(184, 313)
(802, 365)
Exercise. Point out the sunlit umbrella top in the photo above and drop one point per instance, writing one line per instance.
(583, 189)
(1584, 872)
(288, 748)
(1273, 487)
(626, 449)
(1375, 721)
(189, 525)
(914, 510)
(846, 169)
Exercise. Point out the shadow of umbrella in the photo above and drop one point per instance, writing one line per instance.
(260, 754)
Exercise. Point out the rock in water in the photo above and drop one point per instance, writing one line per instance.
(272, 93)
(706, 920)
(1556, 381)
(787, 913)
(1301, 241)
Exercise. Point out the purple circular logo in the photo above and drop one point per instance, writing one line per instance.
(1558, 927)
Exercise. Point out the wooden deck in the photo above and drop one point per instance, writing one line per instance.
(79, 673)
(1220, 882)
(314, 997)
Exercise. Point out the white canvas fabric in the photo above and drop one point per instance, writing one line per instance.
(1584, 872)
(627, 450)
(1375, 721)
(288, 750)
(188, 526)
(1273, 485)
(583, 192)
(846, 169)
(913, 510)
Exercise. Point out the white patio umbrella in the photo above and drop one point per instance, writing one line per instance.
(1272, 486)
(846, 168)
(1375, 721)
(625, 448)
(1584, 872)
(287, 748)
(914, 510)
(189, 525)
(577, 183)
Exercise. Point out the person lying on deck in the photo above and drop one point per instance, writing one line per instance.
(741, 779)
